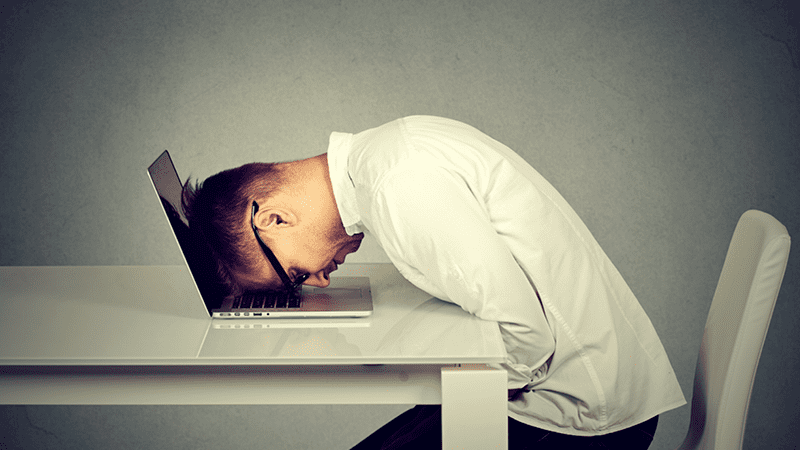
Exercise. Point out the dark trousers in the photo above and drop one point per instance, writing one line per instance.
(421, 428)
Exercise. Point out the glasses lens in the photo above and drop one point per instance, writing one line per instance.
(302, 278)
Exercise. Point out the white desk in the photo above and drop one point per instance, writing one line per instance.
(141, 335)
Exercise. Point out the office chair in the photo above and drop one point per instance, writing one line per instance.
(735, 330)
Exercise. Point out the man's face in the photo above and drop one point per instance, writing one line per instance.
(303, 250)
(300, 224)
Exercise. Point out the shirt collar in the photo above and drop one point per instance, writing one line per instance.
(344, 190)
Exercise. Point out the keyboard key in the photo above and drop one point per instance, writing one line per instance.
(246, 301)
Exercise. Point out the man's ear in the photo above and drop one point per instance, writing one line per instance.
(269, 220)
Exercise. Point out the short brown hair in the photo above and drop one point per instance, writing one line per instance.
(215, 209)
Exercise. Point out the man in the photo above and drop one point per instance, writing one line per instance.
(467, 220)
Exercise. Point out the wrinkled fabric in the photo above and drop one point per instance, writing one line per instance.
(467, 220)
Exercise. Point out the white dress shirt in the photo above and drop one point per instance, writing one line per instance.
(467, 220)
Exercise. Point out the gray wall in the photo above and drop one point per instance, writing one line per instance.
(661, 122)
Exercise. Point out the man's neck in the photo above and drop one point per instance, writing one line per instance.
(311, 180)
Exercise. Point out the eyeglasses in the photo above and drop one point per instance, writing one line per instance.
(288, 284)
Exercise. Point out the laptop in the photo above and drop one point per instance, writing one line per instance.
(344, 297)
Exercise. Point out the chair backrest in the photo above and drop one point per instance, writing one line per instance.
(735, 330)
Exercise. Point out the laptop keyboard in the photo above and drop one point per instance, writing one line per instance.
(267, 300)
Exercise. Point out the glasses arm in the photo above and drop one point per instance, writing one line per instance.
(287, 283)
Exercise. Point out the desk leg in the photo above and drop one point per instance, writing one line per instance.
(474, 407)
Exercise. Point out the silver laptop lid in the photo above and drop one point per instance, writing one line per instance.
(197, 255)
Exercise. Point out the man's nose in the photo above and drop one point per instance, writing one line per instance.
(318, 280)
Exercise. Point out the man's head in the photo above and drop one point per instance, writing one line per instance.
(297, 219)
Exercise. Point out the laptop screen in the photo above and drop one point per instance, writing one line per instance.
(196, 253)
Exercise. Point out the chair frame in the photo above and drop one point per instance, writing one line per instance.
(735, 330)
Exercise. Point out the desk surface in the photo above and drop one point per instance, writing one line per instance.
(152, 315)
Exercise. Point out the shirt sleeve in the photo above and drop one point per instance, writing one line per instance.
(439, 235)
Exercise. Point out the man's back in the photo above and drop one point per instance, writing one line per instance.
(469, 221)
